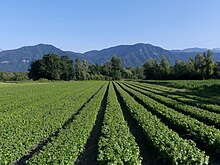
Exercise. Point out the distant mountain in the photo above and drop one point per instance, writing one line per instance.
(201, 50)
(216, 50)
(185, 54)
(19, 60)
(197, 50)
(131, 55)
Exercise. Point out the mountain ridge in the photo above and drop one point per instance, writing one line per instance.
(19, 60)
(197, 50)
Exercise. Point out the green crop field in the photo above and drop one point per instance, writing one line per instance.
(101, 122)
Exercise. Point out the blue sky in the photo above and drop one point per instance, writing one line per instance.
(82, 25)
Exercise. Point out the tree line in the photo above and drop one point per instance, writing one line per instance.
(200, 67)
(13, 76)
(53, 67)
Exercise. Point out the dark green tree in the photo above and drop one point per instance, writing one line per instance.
(77, 69)
(51, 67)
(199, 65)
(209, 65)
(36, 70)
(216, 72)
(151, 69)
(164, 68)
(66, 68)
(116, 68)
(180, 70)
(127, 73)
(139, 72)
(106, 69)
(95, 69)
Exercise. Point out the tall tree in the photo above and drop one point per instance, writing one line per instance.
(164, 68)
(77, 69)
(151, 69)
(180, 70)
(66, 68)
(106, 69)
(191, 69)
(51, 64)
(36, 70)
(140, 72)
(81, 69)
(116, 68)
(199, 65)
(209, 65)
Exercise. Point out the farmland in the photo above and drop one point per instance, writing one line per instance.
(101, 122)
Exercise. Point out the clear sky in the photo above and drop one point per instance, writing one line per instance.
(82, 25)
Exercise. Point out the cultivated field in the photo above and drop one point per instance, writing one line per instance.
(100, 122)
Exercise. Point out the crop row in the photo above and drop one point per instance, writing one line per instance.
(116, 144)
(180, 97)
(169, 144)
(176, 91)
(20, 135)
(207, 117)
(207, 137)
(70, 142)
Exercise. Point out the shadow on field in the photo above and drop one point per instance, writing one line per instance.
(147, 151)
(89, 155)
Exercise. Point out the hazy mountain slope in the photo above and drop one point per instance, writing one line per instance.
(19, 60)
(131, 55)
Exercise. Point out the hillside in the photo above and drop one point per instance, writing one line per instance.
(131, 55)
(19, 60)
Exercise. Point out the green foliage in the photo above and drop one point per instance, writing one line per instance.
(194, 85)
(167, 142)
(180, 70)
(16, 76)
(151, 69)
(116, 68)
(66, 68)
(111, 70)
(199, 64)
(205, 116)
(164, 68)
(52, 67)
(116, 144)
(207, 136)
(216, 70)
(66, 148)
(209, 65)
(81, 71)
(206, 103)
(32, 111)
(29, 112)
(201, 67)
